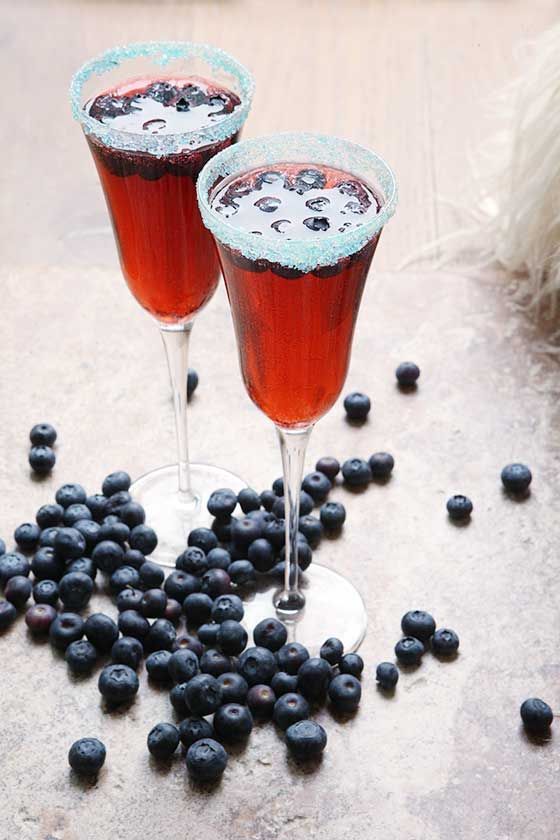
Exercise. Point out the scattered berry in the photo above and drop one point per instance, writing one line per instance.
(151, 575)
(203, 695)
(66, 628)
(232, 637)
(27, 536)
(41, 459)
(387, 675)
(419, 624)
(38, 618)
(157, 666)
(333, 516)
(233, 722)
(87, 756)
(42, 434)
(206, 760)
(516, 478)
(81, 656)
(143, 538)
(351, 663)
(257, 665)
(101, 631)
(183, 665)
(222, 503)
(261, 700)
(70, 494)
(248, 500)
(163, 740)
(270, 633)
(537, 716)
(18, 590)
(127, 651)
(313, 678)
(381, 464)
(445, 642)
(116, 482)
(204, 538)
(75, 590)
(118, 683)
(160, 636)
(356, 472)
(234, 687)
(291, 657)
(8, 614)
(193, 729)
(49, 516)
(459, 507)
(317, 485)
(345, 692)
(407, 373)
(332, 650)
(46, 592)
(306, 739)
(329, 467)
(13, 565)
(409, 650)
(357, 406)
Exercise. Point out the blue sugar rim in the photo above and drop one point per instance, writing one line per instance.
(163, 52)
(305, 148)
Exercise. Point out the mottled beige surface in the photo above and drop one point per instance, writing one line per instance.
(445, 757)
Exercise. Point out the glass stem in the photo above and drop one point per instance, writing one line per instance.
(293, 444)
(176, 343)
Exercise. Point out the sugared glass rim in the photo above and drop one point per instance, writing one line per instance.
(162, 52)
(305, 148)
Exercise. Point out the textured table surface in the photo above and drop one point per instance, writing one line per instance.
(446, 755)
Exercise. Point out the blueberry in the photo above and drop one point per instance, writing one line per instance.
(242, 573)
(192, 382)
(317, 485)
(248, 500)
(2, 547)
(12, 565)
(216, 582)
(244, 531)
(97, 505)
(218, 558)
(70, 494)
(332, 650)
(101, 631)
(38, 618)
(177, 700)
(257, 665)
(69, 543)
(208, 634)
(27, 536)
(81, 656)
(233, 722)
(114, 530)
(116, 503)
(206, 760)
(131, 623)
(306, 739)
(183, 665)
(381, 464)
(48, 536)
(215, 662)
(48, 516)
(305, 504)
(351, 663)
(45, 565)
(234, 687)
(115, 482)
(357, 406)
(267, 499)
(194, 729)
(222, 529)
(157, 666)
(173, 611)
(129, 599)
(329, 467)
(46, 592)
(41, 459)
(66, 628)
(445, 642)
(227, 607)
(282, 683)
(333, 516)
(192, 560)
(345, 692)
(356, 472)
(516, 478)
(179, 584)
(407, 373)
(151, 575)
(89, 531)
(143, 538)
(537, 716)
(261, 554)
(261, 700)
(160, 636)
(42, 434)
(222, 503)
(387, 675)
(118, 683)
(74, 513)
(289, 709)
(409, 650)
(232, 637)
(270, 633)
(459, 507)
(291, 657)
(18, 590)
(87, 756)
(75, 590)
(187, 642)
(133, 514)
(127, 651)
(122, 578)
(274, 533)
(197, 608)
(163, 740)
(153, 603)
(312, 529)
(203, 695)
(8, 614)
(419, 624)
(313, 678)
(278, 486)
(304, 553)
(203, 538)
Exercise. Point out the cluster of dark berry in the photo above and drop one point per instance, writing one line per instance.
(42, 457)
(420, 634)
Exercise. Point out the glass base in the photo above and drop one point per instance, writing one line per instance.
(172, 518)
(333, 607)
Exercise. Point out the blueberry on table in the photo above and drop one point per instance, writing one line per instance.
(227, 607)
(332, 650)
(197, 608)
(312, 529)
(333, 516)
(101, 631)
(305, 555)
(257, 665)
(289, 709)
(351, 663)
(153, 603)
(409, 650)
(248, 500)
(214, 662)
(163, 740)
(232, 637)
(89, 531)
(203, 695)
(49, 516)
(317, 485)
(129, 599)
(70, 494)
(282, 683)
(233, 722)
(38, 618)
(8, 614)
(516, 478)
(13, 565)
(407, 374)
(75, 590)
(46, 565)
(275, 533)
(329, 467)
(459, 507)
(81, 656)
(116, 503)
(193, 729)
(345, 692)
(115, 482)
(179, 584)
(131, 623)
(42, 434)
(234, 687)
(267, 499)
(151, 575)
(445, 642)
(157, 666)
(87, 756)
(70, 544)
(306, 739)
(48, 536)
(222, 529)
(183, 665)
(27, 536)
(173, 611)
(97, 505)
(177, 700)
(41, 459)
(206, 760)
(216, 582)
(204, 538)
(192, 382)
(244, 531)
(290, 657)
(118, 683)
(270, 633)
(419, 624)
(127, 651)
(74, 513)
(357, 406)
(218, 558)
(114, 530)
(222, 503)
(278, 486)
(192, 560)
(46, 592)
(187, 642)
(66, 628)
(313, 678)
(261, 701)
(133, 514)
(381, 464)
(356, 472)
(537, 716)
(126, 576)
(242, 573)
(143, 538)
(261, 554)
(208, 634)
(160, 636)
(18, 590)
(387, 675)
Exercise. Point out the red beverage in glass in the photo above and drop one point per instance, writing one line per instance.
(167, 256)
(294, 329)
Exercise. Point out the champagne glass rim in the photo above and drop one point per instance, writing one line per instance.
(302, 254)
(163, 52)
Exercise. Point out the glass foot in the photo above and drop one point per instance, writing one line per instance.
(333, 607)
(171, 518)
